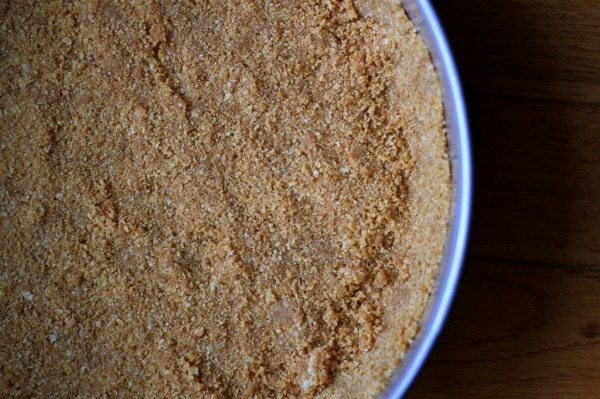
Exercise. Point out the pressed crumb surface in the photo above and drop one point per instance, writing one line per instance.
(215, 199)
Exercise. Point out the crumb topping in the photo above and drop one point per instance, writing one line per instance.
(214, 199)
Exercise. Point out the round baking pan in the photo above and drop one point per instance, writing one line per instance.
(425, 19)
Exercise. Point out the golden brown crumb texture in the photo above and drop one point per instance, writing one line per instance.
(214, 199)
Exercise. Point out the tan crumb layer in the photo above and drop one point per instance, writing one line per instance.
(214, 199)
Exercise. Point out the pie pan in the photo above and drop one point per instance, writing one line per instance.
(423, 15)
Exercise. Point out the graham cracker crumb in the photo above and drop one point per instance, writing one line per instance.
(215, 200)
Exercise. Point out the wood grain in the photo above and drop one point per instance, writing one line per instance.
(519, 331)
(528, 48)
(538, 182)
(526, 323)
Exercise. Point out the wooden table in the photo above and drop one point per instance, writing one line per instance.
(526, 321)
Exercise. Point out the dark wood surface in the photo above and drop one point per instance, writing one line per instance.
(526, 321)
